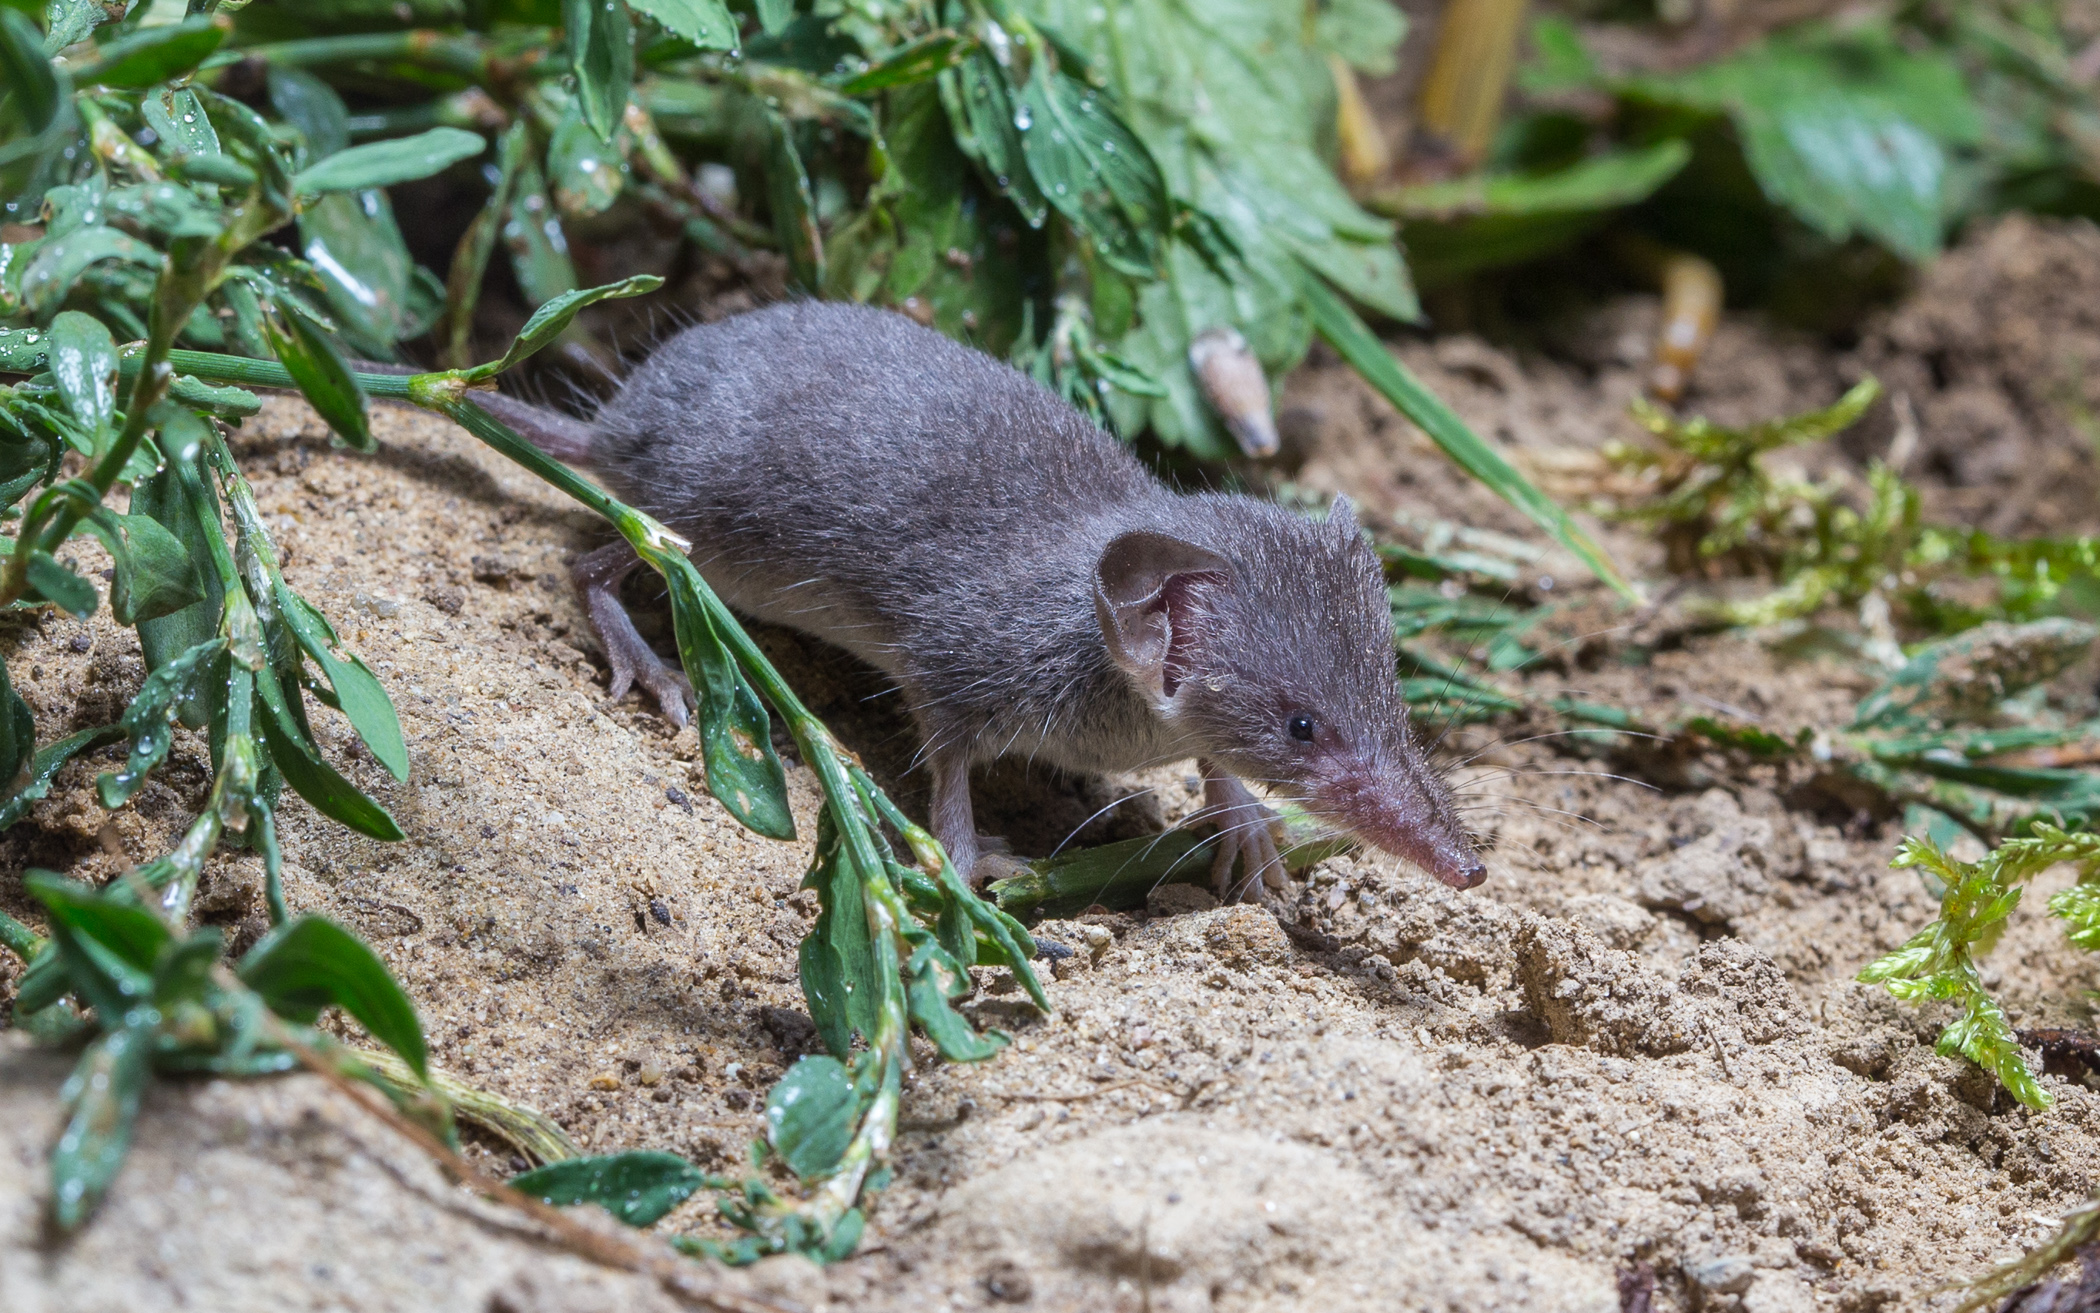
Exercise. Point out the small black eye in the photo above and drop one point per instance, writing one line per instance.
(1301, 727)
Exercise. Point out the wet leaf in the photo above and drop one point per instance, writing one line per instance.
(637, 1187)
(178, 118)
(356, 248)
(59, 264)
(43, 768)
(154, 54)
(150, 719)
(311, 962)
(313, 107)
(310, 777)
(57, 584)
(837, 957)
(154, 573)
(982, 106)
(933, 983)
(708, 24)
(320, 372)
(134, 936)
(103, 1095)
(539, 251)
(916, 61)
(743, 771)
(17, 733)
(588, 172)
(29, 76)
(385, 163)
(601, 55)
(811, 1114)
(162, 497)
(549, 321)
(358, 691)
(84, 365)
(1093, 169)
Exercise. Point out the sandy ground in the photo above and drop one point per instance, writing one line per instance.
(1638, 1043)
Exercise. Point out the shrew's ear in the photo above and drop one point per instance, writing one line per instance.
(1148, 591)
(1341, 517)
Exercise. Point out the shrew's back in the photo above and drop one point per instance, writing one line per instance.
(846, 471)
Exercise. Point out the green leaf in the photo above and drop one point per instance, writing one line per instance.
(150, 719)
(43, 768)
(366, 272)
(601, 55)
(794, 208)
(154, 54)
(357, 690)
(133, 935)
(29, 76)
(17, 733)
(154, 574)
(637, 1187)
(1983, 1036)
(981, 105)
(313, 107)
(59, 264)
(837, 957)
(1369, 357)
(915, 61)
(743, 771)
(311, 962)
(811, 1114)
(1489, 220)
(310, 777)
(587, 172)
(177, 116)
(162, 497)
(227, 402)
(57, 584)
(774, 16)
(385, 163)
(84, 365)
(933, 981)
(549, 321)
(708, 24)
(1848, 130)
(103, 1095)
(1093, 169)
(2079, 907)
(320, 372)
(539, 252)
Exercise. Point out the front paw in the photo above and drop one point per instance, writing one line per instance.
(1248, 833)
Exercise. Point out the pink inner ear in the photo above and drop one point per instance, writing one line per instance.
(1179, 599)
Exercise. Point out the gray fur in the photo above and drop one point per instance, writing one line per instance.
(846, 472)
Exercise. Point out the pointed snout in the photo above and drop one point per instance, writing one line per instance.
(1411, 819)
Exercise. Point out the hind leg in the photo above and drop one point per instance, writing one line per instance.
(598, 575)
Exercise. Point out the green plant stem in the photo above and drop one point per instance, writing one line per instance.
(440, 50)
(19, 939)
